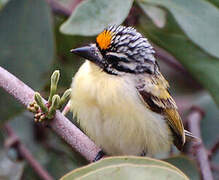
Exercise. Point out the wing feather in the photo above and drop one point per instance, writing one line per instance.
(153, 90)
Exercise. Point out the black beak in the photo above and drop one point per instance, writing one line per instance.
(90, 52)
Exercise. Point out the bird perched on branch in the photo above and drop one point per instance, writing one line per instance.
(121, 99)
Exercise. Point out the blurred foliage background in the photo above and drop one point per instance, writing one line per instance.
(36, 38)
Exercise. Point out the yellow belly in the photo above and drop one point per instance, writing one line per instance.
(111, 113)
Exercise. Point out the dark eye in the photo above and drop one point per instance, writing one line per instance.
(113, 58)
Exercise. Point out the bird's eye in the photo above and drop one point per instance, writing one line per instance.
(113, 58)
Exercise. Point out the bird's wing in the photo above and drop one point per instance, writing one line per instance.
(153, 90)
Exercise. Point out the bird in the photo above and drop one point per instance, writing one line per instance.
(120, 98)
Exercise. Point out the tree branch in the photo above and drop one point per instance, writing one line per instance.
(214, 149)
(194, 119)
(215, 167)
(57, 8)
(74, 4)
(60, 124)
(171, 61)
(14, 141)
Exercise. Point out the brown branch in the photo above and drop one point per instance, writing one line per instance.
(60, 124)
(14, 141)
(194, 119)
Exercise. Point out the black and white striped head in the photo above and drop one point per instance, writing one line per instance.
(119, 50)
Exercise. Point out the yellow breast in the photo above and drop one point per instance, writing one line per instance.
(111, 113)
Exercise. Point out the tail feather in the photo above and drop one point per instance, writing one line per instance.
(191, 137)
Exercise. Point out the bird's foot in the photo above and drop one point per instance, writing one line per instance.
(46, 110)
(99, 156)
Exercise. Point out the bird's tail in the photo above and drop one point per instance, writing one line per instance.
(191, 137)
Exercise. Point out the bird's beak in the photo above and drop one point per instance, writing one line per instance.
(90, 52)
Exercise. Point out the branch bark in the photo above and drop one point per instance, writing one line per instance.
(194, 119)
(60, 124)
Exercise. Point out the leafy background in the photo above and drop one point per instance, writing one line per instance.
(35, 39)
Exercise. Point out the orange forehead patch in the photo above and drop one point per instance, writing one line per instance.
(104, 39)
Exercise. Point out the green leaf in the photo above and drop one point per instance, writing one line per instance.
(186, 165)
(27, 46)
(9, 107)
(199, 19)
(204, 68)
(26, 40)
(129, 172)
(157, 15)
(120, 160)
(2, 3)
(214, 2)
(92, 16)
(67, 62)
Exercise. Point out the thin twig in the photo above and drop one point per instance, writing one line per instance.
(184, 103)
(171, 61)
(57, 8)
(60, 124)
(214, 149)
(214, 167)
(25, 153)
(194, 119)
(74, 4)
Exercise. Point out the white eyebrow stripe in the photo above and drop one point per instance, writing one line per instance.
(119, 55)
